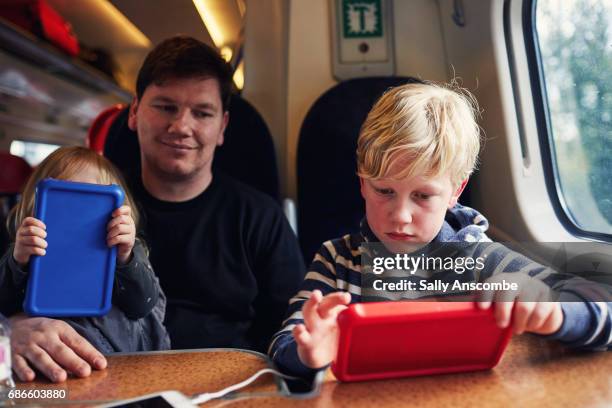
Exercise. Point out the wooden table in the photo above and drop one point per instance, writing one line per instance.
(188, 371)
(533, 373)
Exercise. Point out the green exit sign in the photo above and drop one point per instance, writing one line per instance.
(362, 18)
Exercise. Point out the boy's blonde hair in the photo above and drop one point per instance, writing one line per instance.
(63, 164)
(429, 128)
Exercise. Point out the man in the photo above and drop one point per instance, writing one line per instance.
(225, 255)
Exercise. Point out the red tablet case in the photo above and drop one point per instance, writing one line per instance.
(400, 339)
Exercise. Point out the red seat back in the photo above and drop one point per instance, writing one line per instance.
(14, 173)
(96, 137)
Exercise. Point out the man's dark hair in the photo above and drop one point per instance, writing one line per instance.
(183, 57)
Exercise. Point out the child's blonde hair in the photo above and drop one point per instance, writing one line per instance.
(63, 164)
(430, 128)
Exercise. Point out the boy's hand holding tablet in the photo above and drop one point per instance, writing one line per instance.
(528, 309)
(317, 338)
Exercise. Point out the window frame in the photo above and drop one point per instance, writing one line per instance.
(544, 126)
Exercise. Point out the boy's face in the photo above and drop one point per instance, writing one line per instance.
(179, 125)
(405, 214)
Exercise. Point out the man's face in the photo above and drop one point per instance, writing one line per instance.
(179, 125)
(405, 214)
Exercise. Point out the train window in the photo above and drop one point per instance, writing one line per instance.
(575, 60)
(32, 152)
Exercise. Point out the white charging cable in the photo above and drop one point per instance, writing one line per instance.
(207, 396)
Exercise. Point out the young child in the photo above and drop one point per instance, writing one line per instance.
(135, 321)
(416, 150)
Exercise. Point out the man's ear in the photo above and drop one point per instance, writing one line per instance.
(132, 121)
(221, 137)
(455, 197)
(362, 187)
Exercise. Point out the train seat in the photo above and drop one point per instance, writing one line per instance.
(329, 200)
(96, 136)
(14, 173)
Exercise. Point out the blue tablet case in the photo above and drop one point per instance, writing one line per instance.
(75, 277)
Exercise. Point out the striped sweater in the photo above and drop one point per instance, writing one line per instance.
(337, 267)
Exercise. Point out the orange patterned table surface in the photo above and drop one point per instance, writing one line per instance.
(532, 373)
(190, 372)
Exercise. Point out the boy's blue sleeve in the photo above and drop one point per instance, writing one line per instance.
(283, 348)
(586, 324)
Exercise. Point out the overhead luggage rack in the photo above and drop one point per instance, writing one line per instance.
(27, 47)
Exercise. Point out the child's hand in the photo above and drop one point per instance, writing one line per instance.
(528, 308)
(30, 240)
(121, 232)
(317, 338)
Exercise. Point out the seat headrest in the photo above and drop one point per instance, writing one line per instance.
(121, 145)
(248, 152)
(96, 136)
(14, 173)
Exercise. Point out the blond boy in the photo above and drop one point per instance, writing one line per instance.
(416, 151)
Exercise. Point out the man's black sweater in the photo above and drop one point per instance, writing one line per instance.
(227, 260)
